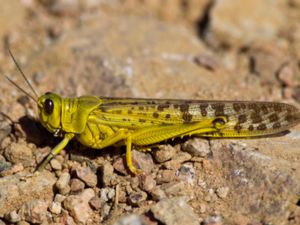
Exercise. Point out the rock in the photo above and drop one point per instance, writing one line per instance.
(12, 217)
(107, 194)
(55, 164)
(222, 192)
(131, 219)
(55, 208)
(213, 220)
(140, 160)
(164, 153)
(95, 203)
(107, 174)
(237, 23)
(23, 223)
(146, 183)
(35, 211)
(179, 158)
(11, 170)
(197, 147)
(157, 194)
(87, 176)
(165, 176)
(76, 185)
(62, 184)
(16, 191)
(136, 198)
(19, 153)
(78, 205)
(186, 173)
(5, 127)
(174, 188)
(59, 198)
(174, 211)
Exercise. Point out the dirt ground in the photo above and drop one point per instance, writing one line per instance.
(196, 49)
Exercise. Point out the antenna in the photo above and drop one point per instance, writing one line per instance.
(24, 77)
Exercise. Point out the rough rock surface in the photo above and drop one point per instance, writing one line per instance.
(19, 189)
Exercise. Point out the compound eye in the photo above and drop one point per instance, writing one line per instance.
(48, 106)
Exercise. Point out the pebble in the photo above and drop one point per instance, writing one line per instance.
(5, 127)
(12, 217)
(7, 170)
(186, 173)
(165, 176)
(146, 183)
(157, 194)
(55, 164)
(213, 220)
(136, 198)
(140, 160)
(197, 147)
(59, 198)
(22, 223)
(222, 192)
(34, 211)
(87, 176)
(95, 203)
(132, 219)
(179, 158)
(174, 211)
(62, 184)
(76, 185)
(19, 153)
(173, 188)
(107, 194)
(55, 208)
(107, 174)
(164, 153)
(78, 205)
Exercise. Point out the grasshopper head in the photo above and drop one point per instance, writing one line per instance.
(49, 108)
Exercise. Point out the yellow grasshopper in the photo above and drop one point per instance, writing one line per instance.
(99, 122)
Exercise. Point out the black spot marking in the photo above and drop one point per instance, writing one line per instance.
(155, 115)
(168, 116)
(236, 107)
(124, 119)
(242, 118)
(238, 128)
(276, 125)
(184, 107)
(187, 117)
(176, 106)
(142, 120)
(264, 109)
(161, 107)
(273, 117)
(256, 118)
(289, 118)
(203, 109)
(254, 107)
(251, 128)
(219, 109)
(119, 111)
(278, 108)
(129, 112)
(261, 126)
(141, 107)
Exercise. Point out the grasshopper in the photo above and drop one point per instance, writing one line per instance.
(99, 122)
